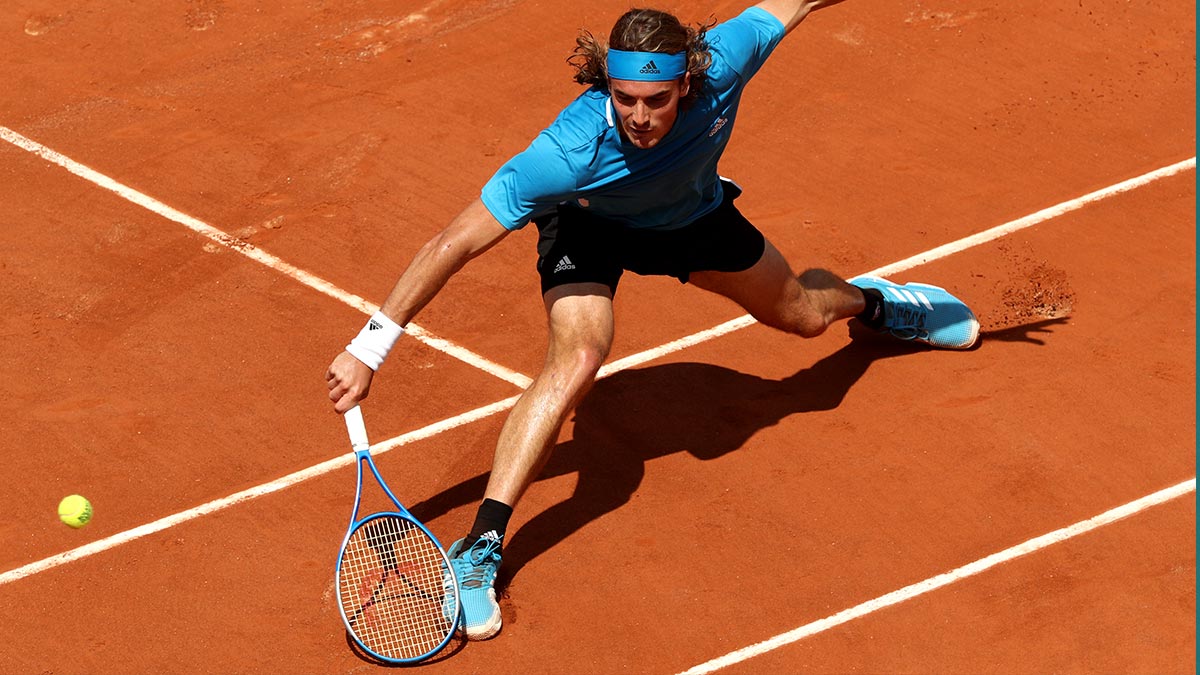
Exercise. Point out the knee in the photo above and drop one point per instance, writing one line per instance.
(587, 359)
(578, 363)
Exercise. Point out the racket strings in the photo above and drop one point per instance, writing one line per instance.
(397, 594)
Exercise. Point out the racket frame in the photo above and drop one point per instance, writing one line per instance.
(356, 429)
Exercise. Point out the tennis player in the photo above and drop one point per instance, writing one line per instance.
(625, 179)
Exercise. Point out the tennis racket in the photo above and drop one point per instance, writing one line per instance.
(398, 594)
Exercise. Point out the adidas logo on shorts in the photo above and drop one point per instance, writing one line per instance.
(563, 265)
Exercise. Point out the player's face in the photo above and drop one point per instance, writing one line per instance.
(647, 110)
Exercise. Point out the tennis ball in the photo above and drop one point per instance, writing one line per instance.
(75, 511)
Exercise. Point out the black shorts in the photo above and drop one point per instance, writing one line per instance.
(576, 247)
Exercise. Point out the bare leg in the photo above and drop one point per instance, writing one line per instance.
(773, 294)
(581, 333)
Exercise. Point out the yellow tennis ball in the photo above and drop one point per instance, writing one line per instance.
(75, 511)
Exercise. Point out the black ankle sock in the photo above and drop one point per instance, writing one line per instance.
(872, 316)
(492, 516)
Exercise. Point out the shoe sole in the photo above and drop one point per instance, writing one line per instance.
(486, 631)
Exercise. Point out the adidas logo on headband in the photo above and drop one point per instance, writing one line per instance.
(646, 66)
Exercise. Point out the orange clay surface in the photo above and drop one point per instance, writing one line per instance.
(696, 504)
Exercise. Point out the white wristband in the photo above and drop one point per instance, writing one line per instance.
(375, 340)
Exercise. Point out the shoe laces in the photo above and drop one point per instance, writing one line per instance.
(476, 567)
(907, 321)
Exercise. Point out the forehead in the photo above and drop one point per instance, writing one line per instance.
(638, 89)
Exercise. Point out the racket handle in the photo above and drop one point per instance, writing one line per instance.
(356, 428)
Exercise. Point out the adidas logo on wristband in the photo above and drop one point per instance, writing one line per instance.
(375, 340)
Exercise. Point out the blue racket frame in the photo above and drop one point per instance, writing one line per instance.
(357, 431)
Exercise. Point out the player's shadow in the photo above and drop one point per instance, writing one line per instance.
(637, 415)
(702, 409)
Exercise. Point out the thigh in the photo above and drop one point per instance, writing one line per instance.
(581, 324)
(772, 294)
(768, 290)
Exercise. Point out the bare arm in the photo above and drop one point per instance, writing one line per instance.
(791, 12)
(471, 233)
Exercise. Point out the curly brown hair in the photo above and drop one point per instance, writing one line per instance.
(644, 30)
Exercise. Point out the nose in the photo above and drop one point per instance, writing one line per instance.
(640, 116)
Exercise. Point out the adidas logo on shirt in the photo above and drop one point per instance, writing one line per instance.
(563, 265)
(650, 69)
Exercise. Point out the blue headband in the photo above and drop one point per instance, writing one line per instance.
(646, 66)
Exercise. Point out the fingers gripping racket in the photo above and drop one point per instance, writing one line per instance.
(398, 594)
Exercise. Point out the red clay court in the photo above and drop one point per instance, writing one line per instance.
(203, 199)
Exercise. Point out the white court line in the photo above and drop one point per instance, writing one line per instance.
(934, 583)
(1034, 218)
(253, 493)
(497, 370)
(470, 416)
(919, 259)
(254, 253)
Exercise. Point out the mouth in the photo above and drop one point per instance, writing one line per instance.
(639, 135)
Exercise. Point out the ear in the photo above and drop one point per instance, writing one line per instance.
(686, 85)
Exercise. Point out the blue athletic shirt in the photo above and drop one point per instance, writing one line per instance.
(582, 159)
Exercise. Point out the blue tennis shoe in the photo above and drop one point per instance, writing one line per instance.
(924, 313)
(476, 570)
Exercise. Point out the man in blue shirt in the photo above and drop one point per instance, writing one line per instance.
(625, 179)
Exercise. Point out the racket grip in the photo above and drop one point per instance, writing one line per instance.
(356, 428)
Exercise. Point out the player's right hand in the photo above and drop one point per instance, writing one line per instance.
(349, 381)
